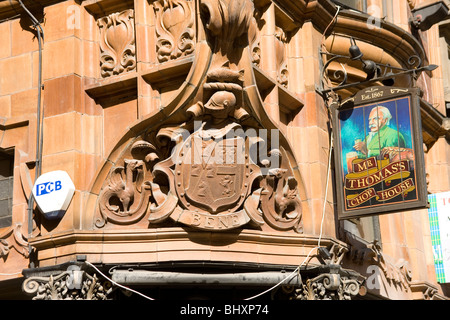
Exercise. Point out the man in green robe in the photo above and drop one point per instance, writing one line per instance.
(380, 136)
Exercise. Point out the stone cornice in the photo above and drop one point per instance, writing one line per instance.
(162, 234)
(393, 39)
(320, 12)
(103, 246)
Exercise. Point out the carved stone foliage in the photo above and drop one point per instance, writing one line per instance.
(218, 168)
(328, 281)
(333, 285)
(117, 43)
(280, 46)
(13, 238)
(67, 285)
(254, 36)
(328, 287)
(174, 29)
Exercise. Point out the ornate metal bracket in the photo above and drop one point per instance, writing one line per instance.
(376, 72)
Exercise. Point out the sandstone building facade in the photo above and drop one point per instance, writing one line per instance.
(133, 99)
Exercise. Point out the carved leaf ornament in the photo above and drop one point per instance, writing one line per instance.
(13, 237)
(60, 287)
(174, 29)
(282, 74)
(225, 165)
(117, 43)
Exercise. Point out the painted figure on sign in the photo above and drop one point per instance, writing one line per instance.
(380, 136)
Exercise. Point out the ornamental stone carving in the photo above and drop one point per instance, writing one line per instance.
(126, 197)
(117, 43)
(255, 38)
(217, 165)
(328, 286)
(13, 237)
(328, 281)
(73, 284)
(280, 46)
(334, 283)
(204, 176)
(174, 29)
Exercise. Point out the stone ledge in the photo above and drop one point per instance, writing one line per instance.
(176, 244)
(113, 88)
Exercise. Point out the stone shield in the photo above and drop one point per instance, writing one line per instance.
(212, 176)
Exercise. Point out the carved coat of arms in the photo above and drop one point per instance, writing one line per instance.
(213, 170)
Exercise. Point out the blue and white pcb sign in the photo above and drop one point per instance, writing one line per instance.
(53, 192)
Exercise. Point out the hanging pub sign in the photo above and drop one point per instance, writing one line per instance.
(379, 152)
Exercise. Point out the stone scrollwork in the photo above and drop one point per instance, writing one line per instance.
(231, 25)
(254, 37)
(329, 281)
(13, 238)
(174, 29)
(279, 198)
(117, 43)
(125, 198)
(67, 285)
(280, 46)
(256, 48)
(328, 287)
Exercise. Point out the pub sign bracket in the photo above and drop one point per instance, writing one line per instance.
(334, 81)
